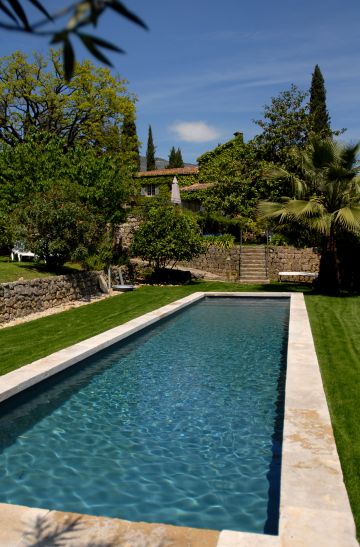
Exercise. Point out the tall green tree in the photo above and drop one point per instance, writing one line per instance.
(38, 168)
(326, 201)
(179, 160)
(285, 124)
(33, 95)
(57, 226)
(175, 158)
(172, 158)
(150, 152)
(235, 170)
(129, 142)
(319, 116)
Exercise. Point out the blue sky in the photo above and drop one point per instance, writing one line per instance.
(206, 69)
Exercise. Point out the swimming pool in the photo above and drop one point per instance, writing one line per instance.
(181, 424)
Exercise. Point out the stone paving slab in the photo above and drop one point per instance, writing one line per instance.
(229, 538)
(24, 527)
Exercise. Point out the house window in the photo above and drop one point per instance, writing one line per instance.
(150, 190)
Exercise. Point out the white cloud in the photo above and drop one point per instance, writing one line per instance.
(195, 131)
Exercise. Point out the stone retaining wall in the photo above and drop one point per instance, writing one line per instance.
(126, 231)
(225, 262)
(221, 262)
(21, 298)
(290, 259)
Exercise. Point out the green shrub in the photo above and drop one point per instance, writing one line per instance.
(225, 241)
(168, 235)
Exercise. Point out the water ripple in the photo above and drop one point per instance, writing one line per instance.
(177, 425)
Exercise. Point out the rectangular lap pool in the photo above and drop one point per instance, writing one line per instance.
(180, 424)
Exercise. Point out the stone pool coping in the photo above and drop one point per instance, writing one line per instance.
(314, 507)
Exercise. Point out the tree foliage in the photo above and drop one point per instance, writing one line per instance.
(319, 116)
(129, 142)
(236, 172)
(150, 152)
(285, 124)
(326, 200)
(175, 158)
(78, 15)
(90, 188)
(168, 235)
(57, 226)
(33, 94)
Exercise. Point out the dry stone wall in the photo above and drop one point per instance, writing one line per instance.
(126, 231)
(290, 259)
(225, 262)
(21, 298)
(221, 262)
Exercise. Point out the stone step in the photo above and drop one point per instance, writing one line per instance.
(260, 272)
(254, 280)
(252, 253)
(244, 273)
(246, 249)
(252, 263)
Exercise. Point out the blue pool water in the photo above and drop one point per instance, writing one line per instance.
(179, 425)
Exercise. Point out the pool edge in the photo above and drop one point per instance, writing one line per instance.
(314, 507)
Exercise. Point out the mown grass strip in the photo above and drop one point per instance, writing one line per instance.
(336, 329)
(12, 271)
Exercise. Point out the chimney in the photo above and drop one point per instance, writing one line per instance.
(239, 135)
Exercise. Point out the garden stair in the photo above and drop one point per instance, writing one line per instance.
(253, 268)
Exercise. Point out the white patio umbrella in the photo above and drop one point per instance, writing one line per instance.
(175, 192)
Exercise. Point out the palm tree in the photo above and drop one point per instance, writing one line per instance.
(326, 200)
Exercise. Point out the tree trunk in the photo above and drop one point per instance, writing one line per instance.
(329, 278)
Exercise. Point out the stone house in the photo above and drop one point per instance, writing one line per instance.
(158, 182)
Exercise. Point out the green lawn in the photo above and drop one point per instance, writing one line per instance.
(335, 325)
(12, 271)
(334, 321)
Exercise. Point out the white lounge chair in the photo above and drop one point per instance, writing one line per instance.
(18, 252)
(311, 275)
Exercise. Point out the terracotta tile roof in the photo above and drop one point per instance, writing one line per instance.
(177, 171)
(199, 186)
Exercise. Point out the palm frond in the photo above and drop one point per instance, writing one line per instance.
(328, 193)
(349, 155)
(348, 218)
(276, 173)
(291, 209)
(269, 209)
(302, 209)
(320, 224)
(323, 152)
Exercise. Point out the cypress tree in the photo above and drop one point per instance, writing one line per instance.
(172, 158)
(179, 160)
(129, 142)
(175, 158)
(150, 152)
(319, 116)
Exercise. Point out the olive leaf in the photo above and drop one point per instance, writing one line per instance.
(18, 9)
(80, 14)
(8, 12)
